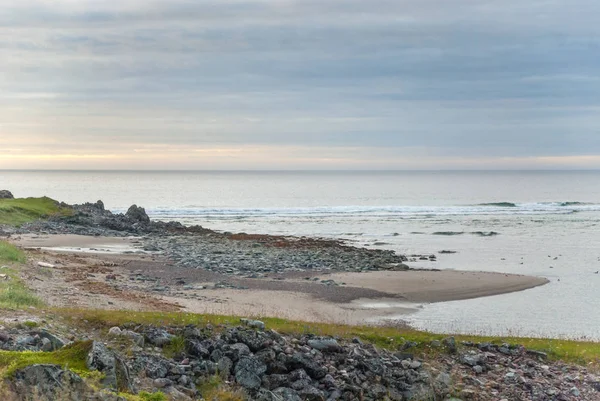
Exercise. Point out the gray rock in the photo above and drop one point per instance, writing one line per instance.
(5, 194)
(249, 372)
(115, 371)
(137, 214)
(158, 337)
(255, 324)
(55, 342)
(312, 367)
(48, 383)
(450, 343)
(310, 393)
(325, 344)
(286, 394)
(162, 382)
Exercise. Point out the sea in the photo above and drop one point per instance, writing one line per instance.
(542, 223)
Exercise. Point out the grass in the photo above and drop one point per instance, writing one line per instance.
(13, 293)
(582, 352)
(10, 253)
(15, 212)
(70, 357)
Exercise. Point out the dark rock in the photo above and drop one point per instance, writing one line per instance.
(4, 337)
(158, 337)
(271, 382)
(450, 343)
(249, 372)
(55, 343)
(195, 348)
(4, 194)
(137, 214)
(286, 394)
(48, 383)
(114, 369)
(309, 393)
(312, 367)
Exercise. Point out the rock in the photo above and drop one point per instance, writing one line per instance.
(539, 354)
(46, 265)
(114, 331)
(249, 372)
(137, 214)
(325, 344)
(312, 367)
(470, 360)
(4, 337)
(255, 324)
(5, 194)
(162, 382)
(115, 371)
(53, 342)
(450, 343)
(310, 393)
(158, 337)
(48, 383)
(286, 394)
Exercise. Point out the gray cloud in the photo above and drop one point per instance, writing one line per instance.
(464, 78)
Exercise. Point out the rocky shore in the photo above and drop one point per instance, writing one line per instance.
(258, 363)
(238, 254)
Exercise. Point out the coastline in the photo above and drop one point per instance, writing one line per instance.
(117, 273)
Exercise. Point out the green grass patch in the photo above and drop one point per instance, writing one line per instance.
(582, 352)
(24, 210)
(14, 294)
(71, 357)
(10, 253)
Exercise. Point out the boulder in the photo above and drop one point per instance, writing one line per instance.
(48, 383)
(137, 214)
(249, 372)
(325, 344)
(256, 324)
(4, 194)
(115, 371)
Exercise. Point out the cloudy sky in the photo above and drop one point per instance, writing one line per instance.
(314, 84)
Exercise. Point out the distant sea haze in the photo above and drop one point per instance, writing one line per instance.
(542, 223)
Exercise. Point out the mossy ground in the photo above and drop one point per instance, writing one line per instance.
(72, 357)
(24, 210)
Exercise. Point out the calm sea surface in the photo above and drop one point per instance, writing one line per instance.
(537, 223)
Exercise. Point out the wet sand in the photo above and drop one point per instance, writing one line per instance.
(368, 297)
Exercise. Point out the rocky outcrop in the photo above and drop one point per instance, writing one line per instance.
(116, 372)
(48, 383)
(4, 194)
(137, 215)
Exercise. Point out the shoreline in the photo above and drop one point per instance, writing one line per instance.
(117, 273)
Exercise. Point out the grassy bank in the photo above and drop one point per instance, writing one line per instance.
(19, 211)
(581, 352)
(13, 292)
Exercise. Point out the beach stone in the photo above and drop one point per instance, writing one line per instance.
(5, 194)
(255, 324)
(286, 394)
(325, 344)
(248, 372)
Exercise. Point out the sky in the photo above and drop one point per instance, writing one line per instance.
(314, 84)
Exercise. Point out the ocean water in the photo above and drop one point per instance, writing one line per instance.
(544, 223)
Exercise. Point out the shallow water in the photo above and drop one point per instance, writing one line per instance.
(550, 215)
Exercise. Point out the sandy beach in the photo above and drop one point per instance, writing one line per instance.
(116, 273)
